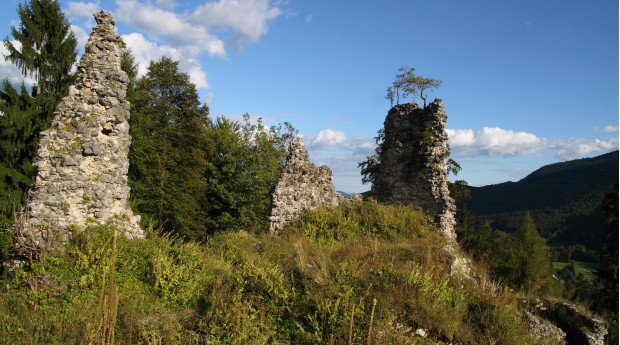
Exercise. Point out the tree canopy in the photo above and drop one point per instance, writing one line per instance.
(168, 153)
(44, 47)
(407, 84)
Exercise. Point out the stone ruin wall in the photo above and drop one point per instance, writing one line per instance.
(413, 163)
(82, 159)
(301, 188)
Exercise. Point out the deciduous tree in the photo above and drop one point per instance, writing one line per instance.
(168, 156)
(245, 164)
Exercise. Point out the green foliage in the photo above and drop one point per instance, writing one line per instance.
(245, 163)
(191, 175)
(47, 51)
(47, 48)
(370, 167)
(129, 66)
(521, 260)
(607, 300)
(531, 257)
(406, 84)
(353, 220)
(365, 286)
(168, 157)
(565, 206)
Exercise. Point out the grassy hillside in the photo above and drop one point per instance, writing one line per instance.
(362, 273)
(564, 199)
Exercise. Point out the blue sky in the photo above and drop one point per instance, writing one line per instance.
(525, 83)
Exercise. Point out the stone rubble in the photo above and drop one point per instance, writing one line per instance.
(82, 159)
(301, 188)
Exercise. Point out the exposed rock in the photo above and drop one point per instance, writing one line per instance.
(301, 188)
(543, 330)
(545, 318)
(82, 159)
(413, 165)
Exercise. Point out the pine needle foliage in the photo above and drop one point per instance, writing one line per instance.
(43, 47)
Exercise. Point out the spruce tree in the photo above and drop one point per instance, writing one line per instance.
(46, 50)
(47, 46)
(532, 259)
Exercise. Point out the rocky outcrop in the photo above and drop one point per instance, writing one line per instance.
(82, 159)
(413, 165)
(559, 322)
(301, 188)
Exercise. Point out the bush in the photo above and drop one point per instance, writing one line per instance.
(360, 273)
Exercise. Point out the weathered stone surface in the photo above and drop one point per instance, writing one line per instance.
(82, 159)
(557, 322)
(413, 162)
(301, 188)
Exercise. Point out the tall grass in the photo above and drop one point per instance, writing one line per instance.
(359, 274)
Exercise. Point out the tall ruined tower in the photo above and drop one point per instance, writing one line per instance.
(82, 159)
(413, 165)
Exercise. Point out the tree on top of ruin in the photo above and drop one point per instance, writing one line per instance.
(418, 85)
(406, 83)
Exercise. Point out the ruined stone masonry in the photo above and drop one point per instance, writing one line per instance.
(82, 159)
(413, 165)
(301, 188)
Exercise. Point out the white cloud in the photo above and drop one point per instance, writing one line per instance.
(498, 142)
(493, 141)
(160, 30)
(196, 74)
(10, 71)
(169, 27)
(578, 147)
(81, 35)
(329, 137)
(83, 9)
(607, 129)
(246, 19)
(145, 50)
(461, 137)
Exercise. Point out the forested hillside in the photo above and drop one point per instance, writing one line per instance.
(563, 198)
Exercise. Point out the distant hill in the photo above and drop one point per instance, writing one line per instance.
(564, 199)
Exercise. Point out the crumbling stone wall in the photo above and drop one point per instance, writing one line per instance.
(413, 162)
(301, 188)
(82, 159)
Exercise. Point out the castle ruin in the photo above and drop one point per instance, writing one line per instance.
(413, 165)
(82, 159)
(301, 188)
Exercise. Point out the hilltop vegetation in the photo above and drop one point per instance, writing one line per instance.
(361, 273)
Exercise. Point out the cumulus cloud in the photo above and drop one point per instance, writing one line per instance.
(169, 27)
(329, 137)
(160, 30)
(10, 71)
(145, 50)
(493, 141)
(81, 35)
(579, 147)
(83, 9)
(498, 142)
(245, 19)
